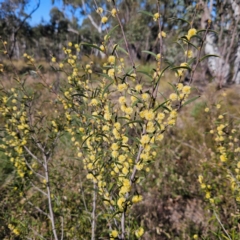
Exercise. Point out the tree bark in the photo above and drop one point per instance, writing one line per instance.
(236, 68)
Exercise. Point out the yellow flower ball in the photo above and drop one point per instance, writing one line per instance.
(139, 232)
(149, 114)
(114, 233)
(145, 139)
(186, 89)
(156, 16)
(138, 87)
(122, 87)
(145, 96)
(120, 203)
(191, 32)
(114, 12)
(137, 198)
(173, 97)
(104, 19)
(102, 48)
(111, 59)
(111, 72)
(99, 10)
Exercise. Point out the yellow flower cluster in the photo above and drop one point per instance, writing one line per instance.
(14, 229)
(17, 130)
(191, 33)
(29, 58)
(156, 16)
(139, 232)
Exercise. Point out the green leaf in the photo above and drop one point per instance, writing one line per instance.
(115, 47)
(151, 53)
(193, 44)
(87, 139)
(102, 135)
(137, 101)
(112, 30)
(160, 105)
(183, 37)
(161, 74)
(146, 13)
(106, 88)
(191, 100)
(128, 74)
(91, 45)
(191, 60)
(122, 50)
(40, 67)
(166, 108)
(135, 121)
(185, 67)
(145, 73)
(196, 36)
(181, 19)
(207, 56)
(106, 76)
(124, 118)
(179, 45)
(79, 94)
(174, 88)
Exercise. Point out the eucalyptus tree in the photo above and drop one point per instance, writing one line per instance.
(13, 16)
(224, 17)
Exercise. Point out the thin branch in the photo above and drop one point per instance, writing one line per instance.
(155, 89)
(94, 211)
(30, 167)
(39, 209)
(123, 225)
(188, 145)
(52, 219)
(218, 219)
(35, 232)
(125, 40)
(72, 30)
(62, 228)
(38, 189)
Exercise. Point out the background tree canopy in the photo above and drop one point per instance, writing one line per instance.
(50, 37)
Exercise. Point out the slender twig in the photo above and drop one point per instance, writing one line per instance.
(125, 39)
(62, 228)
(37, 234)
(123, 225)
(218, 219)
(39, 209)
(38, 189)
(52, 218)
(188, 145)
(32, 155)
(94, 211)
(155, 89)
(30, 167)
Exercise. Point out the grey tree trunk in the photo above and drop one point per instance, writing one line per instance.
(236, 68)
(218, 68)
